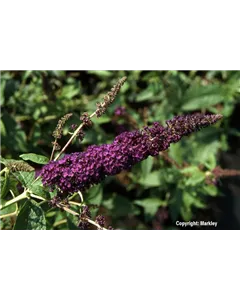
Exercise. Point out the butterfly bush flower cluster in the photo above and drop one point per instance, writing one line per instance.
(79, 171)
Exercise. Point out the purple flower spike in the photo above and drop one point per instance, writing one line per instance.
(79, 171)
(181, 126)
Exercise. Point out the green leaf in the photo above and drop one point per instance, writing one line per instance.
(101, 73)
(210, 190)
(31, 217)
(150, 205)
(13, 183)
(120, 206)
(234, 132)
(186, 213)
(190, 169)
(195, 178)
(3, 129)
(70, 91)
(102, 120)
(38, 189)
(39, 159)
(146, 166)
(151, 180)
(8, 209)
(202, 152)
(125, 87)
(227, 109)
(145, 95)
(233, 82)
(94, 196)
(199, 204)
(2, 160)
(198, 97)
(71, 221)
(211, 162)
(190, 200)
(176, 152)
(16, 165)
(26, 178)
(195, 175)
(175, 204)
(5, 185)
(174, 94)
(185, 209)
(15, 138)
(2, 87)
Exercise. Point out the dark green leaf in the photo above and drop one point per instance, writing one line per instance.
(72, 222)
(38, 189)
(145, 95)
(94, 197)
(150, 205)
(13, 183)
(15, 138)
(120, 206)
(101, 73)
(235, 132)
(5, 185)
(31, 217)
(175, 204)
(2, 87)
(26, 178)
(198, 97)
(3, 129)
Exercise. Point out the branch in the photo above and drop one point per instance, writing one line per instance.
(22, 196)
(83, 219)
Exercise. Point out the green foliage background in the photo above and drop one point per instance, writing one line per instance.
(156, 192)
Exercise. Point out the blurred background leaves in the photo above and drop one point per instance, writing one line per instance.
(158, 191)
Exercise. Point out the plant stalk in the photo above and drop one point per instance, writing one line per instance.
(15, 200)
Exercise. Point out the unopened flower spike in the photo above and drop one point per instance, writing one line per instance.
(109, 97)
(85, 118)
(57, 133)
